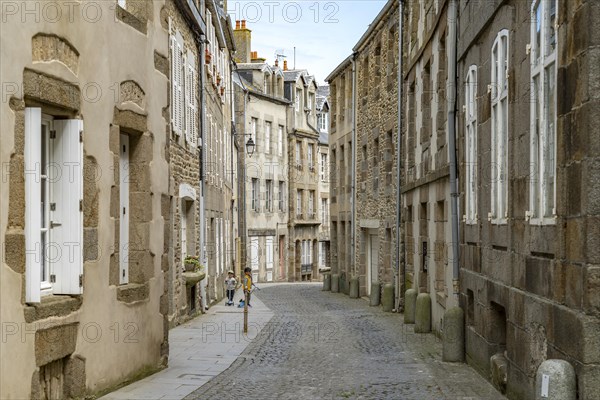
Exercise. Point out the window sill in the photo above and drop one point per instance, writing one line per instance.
(543, 221)
(499, 221)
(52, 306)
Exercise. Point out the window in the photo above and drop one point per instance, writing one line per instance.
(323, 167)
(280, 140)
(281, 196)
(269, 195)
(299, 204)
(375, 152)
(311, 149)
(53, 205)
(320, 118)
(322, 255)
(298, 99)
(267, 137)
(255, 194)
(177, 105)
(184, 107)
(253, 123)
(311, 204)
(471, 145)
(298, 154)
(499, 93)
(324, 212)
(542, 187)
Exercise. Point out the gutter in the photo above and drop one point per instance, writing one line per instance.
(353, 186)
(400, 269)
(452, 78)
(201, 83)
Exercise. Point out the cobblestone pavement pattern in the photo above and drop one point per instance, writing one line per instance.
(323, 345)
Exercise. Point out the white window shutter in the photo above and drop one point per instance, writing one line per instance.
(186, 99)
(33, 213)
(178, 83)
(191, 114)
(174, 83)
(67, 194)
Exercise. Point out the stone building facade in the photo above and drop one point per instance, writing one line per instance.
(426, 184)
(529, 160)
(303, 149)
(219, 172)
(87, 165)
(322, 126)
(184, 158)
(364, 133)
(261, 115)
(341, 134)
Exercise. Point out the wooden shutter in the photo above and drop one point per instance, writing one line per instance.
(192, 113)
(177, 82)
(33, 212)
(67, 218)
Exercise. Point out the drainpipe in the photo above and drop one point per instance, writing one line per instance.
(400, 265)
(203, 282)
(353, 187)
(452, 36)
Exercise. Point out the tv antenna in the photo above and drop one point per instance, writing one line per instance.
(280, 55)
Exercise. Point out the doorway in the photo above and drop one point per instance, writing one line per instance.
(372, 260)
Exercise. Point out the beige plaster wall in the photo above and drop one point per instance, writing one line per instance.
(110, 52)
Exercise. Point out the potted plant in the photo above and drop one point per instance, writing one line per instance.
(192, 264)
(194, 271)
(222, 90)
(207, 56)
(218, 79)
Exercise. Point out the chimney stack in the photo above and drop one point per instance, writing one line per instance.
(243, 42)
(276, 62)
(285, 68)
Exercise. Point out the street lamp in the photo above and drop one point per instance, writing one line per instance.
(250, 146)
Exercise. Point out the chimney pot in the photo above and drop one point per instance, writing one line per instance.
(276, 63)
(285, 68)
(243, 24)
(237, 24)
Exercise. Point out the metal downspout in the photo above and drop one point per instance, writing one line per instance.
(452, 36)
(400, 265)
(353, 188)
(203, 175)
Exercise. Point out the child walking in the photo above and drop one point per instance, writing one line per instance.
(248, 283)
(231, 283)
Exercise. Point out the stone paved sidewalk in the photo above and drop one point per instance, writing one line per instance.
(199, 350)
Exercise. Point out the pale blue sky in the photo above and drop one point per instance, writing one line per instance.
(323, 32)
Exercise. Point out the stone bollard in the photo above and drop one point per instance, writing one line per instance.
(423, 313)
(453, 338)
(555, 379)
(410, 302)
(327, 282)
(388, 297)
(375, 297)
(335, 283)
(499, 371)
(342, 282)
(354, 288)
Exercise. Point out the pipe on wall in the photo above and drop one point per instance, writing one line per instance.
(400, 266)
(451, 102)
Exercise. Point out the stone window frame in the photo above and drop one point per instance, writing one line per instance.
(542, 204)
(471, 217)
(499, 153)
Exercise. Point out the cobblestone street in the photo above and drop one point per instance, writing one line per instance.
(322, 345)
